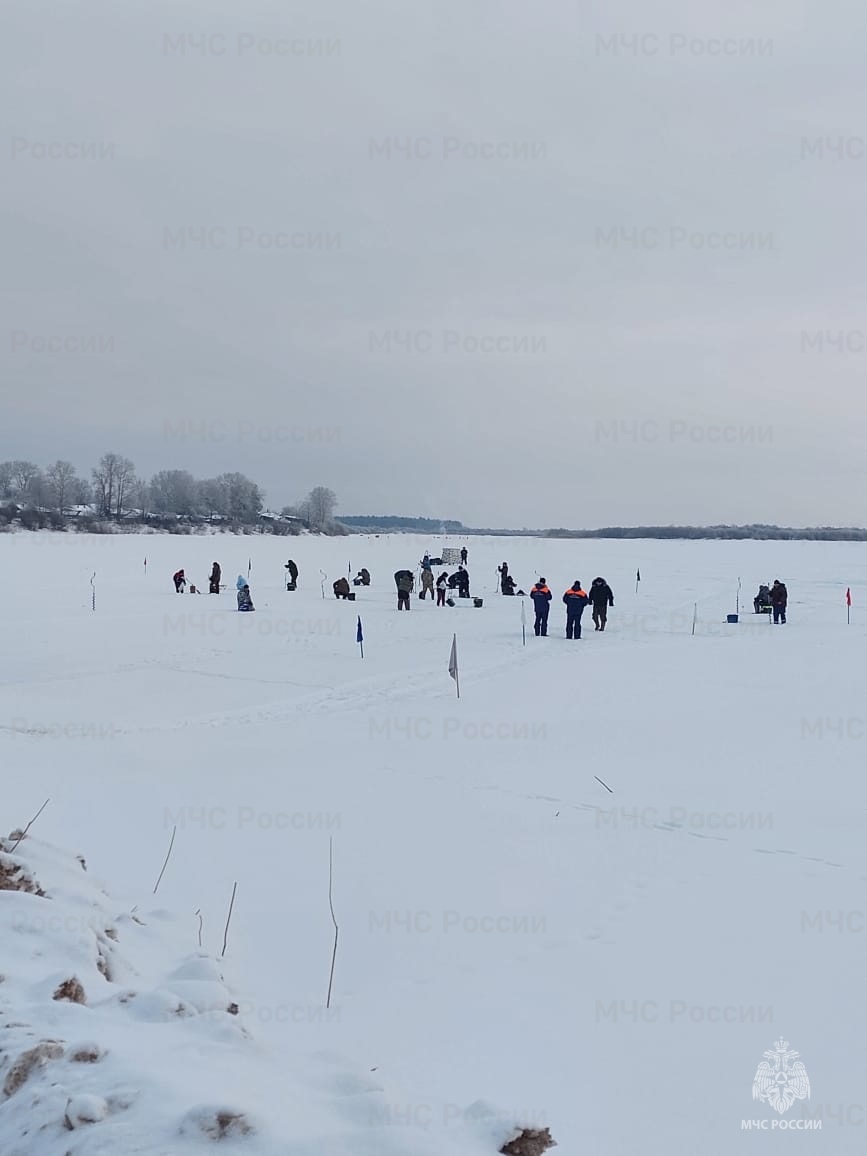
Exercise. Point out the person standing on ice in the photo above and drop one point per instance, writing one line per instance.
(576, 599)
(601, 597)
(779, 600)
(179, 581)
(293, 575)
(214, 579)
(463, 555)
(427, 582)
(541, 596)
(404, 581)
(442, 587)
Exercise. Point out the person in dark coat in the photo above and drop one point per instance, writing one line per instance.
(463, 583)
(762, 602)
(245, 601)
(341, 588)
(601, 598)
(507, 584)
(442, 586)
(214, 579)
(541, 596)
(503, 571)
(404, 580)
(463, 555)
(576, 599)
(292, 582)
(179, 581)
(779, 600)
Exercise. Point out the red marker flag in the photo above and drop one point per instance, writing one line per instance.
(848, 597)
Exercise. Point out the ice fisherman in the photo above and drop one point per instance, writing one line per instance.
(214, 579)
(779, 600)
(245, 601)
(179, 581)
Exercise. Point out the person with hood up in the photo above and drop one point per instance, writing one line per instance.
(240, 582)
(442, 587)
(292, 581)
(214, 579)
(576, 599)
(779, 600)
(601, 597)
(427, 583)
(245, 601)
(341, 588)
(179, 581)
(541, 596)
(404, 581)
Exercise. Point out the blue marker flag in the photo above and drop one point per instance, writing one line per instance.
(359, 637)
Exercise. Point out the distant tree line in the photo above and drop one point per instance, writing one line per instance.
(757, 531)
(57, 495)
(392, 522)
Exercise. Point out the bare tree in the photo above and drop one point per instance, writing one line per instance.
(5, 479)
(321, 503)
(61, 478)
(126, 481)
(112, 478)
(175, 492)
(24, 478)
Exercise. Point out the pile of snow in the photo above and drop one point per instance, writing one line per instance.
(119, 1036)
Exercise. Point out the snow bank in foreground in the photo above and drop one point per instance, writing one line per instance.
(117, 1038)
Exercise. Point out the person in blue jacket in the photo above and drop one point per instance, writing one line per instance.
(541, 596)
(576, 599)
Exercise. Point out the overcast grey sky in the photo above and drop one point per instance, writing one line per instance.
(518, 264)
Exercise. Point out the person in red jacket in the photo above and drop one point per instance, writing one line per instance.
(576, 599)
(179, 580)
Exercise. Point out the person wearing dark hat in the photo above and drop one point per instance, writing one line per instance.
(541, 596)
(292, 582)
(214, 579)
(779, 600)
(601, 598)
(576, 599)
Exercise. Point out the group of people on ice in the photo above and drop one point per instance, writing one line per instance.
(245, 601)
(576, 599)
(772, 600)
(404, 580)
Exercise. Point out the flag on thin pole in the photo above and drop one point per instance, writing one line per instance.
(453, 664)
(637, 579)
(359, 636)
(146, 565)
(93, 591)
(249, 568)
(523, 622)
(848, 603)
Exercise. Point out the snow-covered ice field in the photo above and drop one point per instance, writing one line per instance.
(612, 966)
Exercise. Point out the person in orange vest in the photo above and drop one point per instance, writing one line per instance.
(576, 599)
(541, 596)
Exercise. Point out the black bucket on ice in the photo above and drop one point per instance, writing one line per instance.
(731, 618)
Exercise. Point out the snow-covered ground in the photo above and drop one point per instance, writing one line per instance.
(517, 943)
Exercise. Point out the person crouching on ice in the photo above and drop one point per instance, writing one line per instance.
(341, 588)
(245, 602)
(179, 581)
